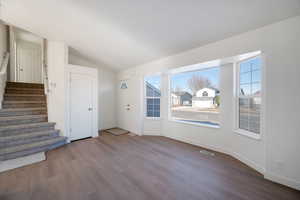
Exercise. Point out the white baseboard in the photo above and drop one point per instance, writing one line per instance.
(282, 180)
(20, 162)
(248, 162)
(217, 149)
(152, 133)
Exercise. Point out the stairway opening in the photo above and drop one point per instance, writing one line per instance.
(24, 126)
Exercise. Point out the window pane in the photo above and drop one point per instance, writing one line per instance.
(153, 86)
(249, 108)
(156, 114)
(256, 89)
(156, 101)
(245, 89)
(150, 101)
(149, 114)
(245, 78)
(255, 63)
(245, 67)
(256, 76)
(249, 114)
(195, 96)
(244, 113)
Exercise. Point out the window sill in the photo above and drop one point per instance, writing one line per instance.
(152, 118)
(248, 134)
(195, 124)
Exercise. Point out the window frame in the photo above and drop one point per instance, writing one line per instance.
(237, 129)
(145, 97)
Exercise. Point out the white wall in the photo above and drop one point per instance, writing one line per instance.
(3, 40)
(276, 154)
(3, 49)
(57, 59)
(106, 88)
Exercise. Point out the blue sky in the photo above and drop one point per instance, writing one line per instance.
(180, 80)
(250, 76)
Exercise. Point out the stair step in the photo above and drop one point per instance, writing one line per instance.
(7, 112)
(26, 128)
(14, 90)
(27, 149)
(23, 85)
(23, 104)
(24, 97)
(26, 119)
(27, 138)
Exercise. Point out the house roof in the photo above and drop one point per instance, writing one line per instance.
(181, 93)
(153, 87)
(212, 88)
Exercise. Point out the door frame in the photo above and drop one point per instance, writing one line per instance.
(93, 74)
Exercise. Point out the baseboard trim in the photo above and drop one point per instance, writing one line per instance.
(248, 162)
(282, 180)
(217, 149)
(21, 162)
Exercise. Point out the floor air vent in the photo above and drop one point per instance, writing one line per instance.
(208, 153)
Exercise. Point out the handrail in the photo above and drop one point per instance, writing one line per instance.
(3, 76)
(3, 67)
(46, 79)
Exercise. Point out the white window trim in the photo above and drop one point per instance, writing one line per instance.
(145, 97)
(194, 124)
(236, 99)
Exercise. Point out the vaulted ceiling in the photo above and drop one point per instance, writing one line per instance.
(126, 33)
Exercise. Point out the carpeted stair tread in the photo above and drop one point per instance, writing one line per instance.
(23, 104)
(25, 128)
(12, 142)
(25, 119)
(21, 117)
(24, 91)
(21, 109)
(25, 95)
(20, 88)
(26, 102)
(9, 112)
(27, 135)
(31, 151)
(23, 85)
(25, 147)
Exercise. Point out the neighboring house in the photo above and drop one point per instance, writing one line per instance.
(181, 99)
(175, 100)
(205, 98)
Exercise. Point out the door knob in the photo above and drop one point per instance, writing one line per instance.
(21, 70)
(90, 109)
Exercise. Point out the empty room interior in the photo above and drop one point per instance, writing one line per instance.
(149, 100)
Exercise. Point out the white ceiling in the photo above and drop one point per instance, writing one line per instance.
(126, 33)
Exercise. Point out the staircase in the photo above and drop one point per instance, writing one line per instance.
(24, 126)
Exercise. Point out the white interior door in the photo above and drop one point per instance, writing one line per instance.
(29, 62)
(81, 108)
(126, 109)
